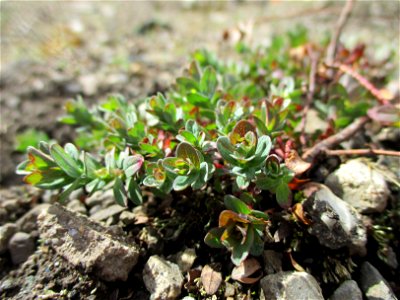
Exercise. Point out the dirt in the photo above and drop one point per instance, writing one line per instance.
(54, 51)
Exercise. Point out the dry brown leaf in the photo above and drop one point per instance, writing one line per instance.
(299, 214)
(294, 163)
(210, 279)
(245, 270)
(294, 263)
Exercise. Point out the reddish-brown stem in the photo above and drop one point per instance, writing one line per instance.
(335, 139)
(344, 16)
(363, 152)
(310, 94)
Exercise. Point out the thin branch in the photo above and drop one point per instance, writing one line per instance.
(344, 16)
(363, 81)
(310, 94)
(335, 139)
(363, 152)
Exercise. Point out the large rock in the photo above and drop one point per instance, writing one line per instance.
(374, 285)
(335, 223)
(359, 185)
(21, 246)
(347, 290)
(162, 278)
(6, 232)
(87, 244)
(291, 286)
(27, 223)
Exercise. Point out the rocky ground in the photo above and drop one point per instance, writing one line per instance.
(95, 249)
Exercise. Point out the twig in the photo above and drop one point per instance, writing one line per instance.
(335, 139)
(363, 81)
(363, 152)
(344, 16)
(310, 94)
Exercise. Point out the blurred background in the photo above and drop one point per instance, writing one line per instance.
(52, 51)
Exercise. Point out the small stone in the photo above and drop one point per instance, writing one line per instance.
(77, 206)
(347, 290)
(99, 197)
(185, 259)
(6, 232)
(95, 209)
(127, 217)
(229, 290)
(272, 262)
(373, 284)
(87, 244)
(28, 222)
(10, 205)
(334, 222)
(360, 186)
(162, 278)
(89, 84)
(108, 212)
(291, 286)
(21, 246)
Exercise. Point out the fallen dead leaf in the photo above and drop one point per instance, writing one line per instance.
(298, 212)
(245, 270)
(210, 279)
(294, 163)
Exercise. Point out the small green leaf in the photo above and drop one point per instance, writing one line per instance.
(283, 195)
(213, 237)
(74, 186)
(235, 204)
(187, 151)
(182, 182)
(198, 99)
(90, 165)
(64, 161)
(132, 164)
(208, 83)
(226, 149)
(135, 194)
(119, 192)
(241, 251)
(72, 151)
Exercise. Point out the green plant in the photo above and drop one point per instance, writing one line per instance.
(30, 137)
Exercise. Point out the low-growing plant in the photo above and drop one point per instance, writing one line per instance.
(221, 126)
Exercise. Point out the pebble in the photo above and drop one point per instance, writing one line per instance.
(27, 223)
(334, 222)
(347, 290)
(360, 186)
(21, 246)
(162, 278)
(88, 244)
(373, 284)
(108, 212)
(272, 262)
(77, 206)
(291, 286)
(6, 232)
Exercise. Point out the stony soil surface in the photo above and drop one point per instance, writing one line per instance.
(54, 51)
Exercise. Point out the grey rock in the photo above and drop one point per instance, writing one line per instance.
(21, 246)
(10, 205)
(6, 232)
(127, 217)
(373, 284)
(108, 212)
(3, 215)
(77, 206)
(99, 198)
(87, 244)
(272, 262)
(347, 290)
(89, 83)
(291, 286)
(335, 223)
(359, 185)
(28, 222)
(162, 278)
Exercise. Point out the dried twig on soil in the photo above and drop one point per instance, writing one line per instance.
(363, 81)
(310, 94)
(363, 152)
(335, 139)
(344, 16)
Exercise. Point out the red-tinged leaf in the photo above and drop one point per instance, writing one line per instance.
(247, 272)
(210, 279)
(294, 163)
(228, 215)
(240, 130)
(296, 183)
(33, 178)
(185, 150)
(298, 212)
